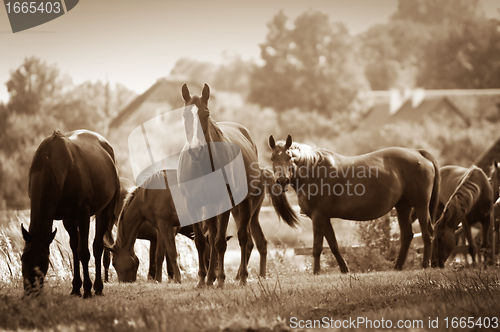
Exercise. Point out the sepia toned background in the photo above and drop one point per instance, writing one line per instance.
(350, 76)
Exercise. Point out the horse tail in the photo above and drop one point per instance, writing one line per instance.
(433, 204)
(279, 200)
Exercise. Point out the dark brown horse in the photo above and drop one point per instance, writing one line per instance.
(361, 188)
(72, 177)
(147, 231)
(225, 151)
(471, 202)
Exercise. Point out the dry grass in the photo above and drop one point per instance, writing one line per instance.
(264, 304)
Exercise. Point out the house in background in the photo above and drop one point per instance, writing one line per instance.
(412, 106)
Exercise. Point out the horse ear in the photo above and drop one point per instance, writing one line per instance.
(185, 93)
(288, 142)
(205, 94)
(26, 235)
(272, 143)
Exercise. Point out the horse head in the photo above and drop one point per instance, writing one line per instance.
(443, 243)
(125, 263)
(196, 118)
(35, 260)
(282, 161)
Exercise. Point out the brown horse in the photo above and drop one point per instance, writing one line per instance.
(212, 151)
(471, 202)
(157, 204)
(147, 231)
(364, 187)
(72, 177)
(146, 205)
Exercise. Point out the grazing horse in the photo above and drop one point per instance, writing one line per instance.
(364, 187)
(210, 147)
(472, 201)
(146, 232)
(72, 177)
(142, 205)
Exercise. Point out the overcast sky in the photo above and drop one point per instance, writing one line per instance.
(135, 42)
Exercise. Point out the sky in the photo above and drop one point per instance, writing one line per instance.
(136, 42)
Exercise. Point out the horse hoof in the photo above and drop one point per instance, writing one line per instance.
(87, 296)
(344, 270)
(243, 282)
(76, 293)
(201, 284)
(100, 293)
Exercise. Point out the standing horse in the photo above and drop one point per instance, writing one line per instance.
(210, 147)
(364, 187)
(72, 177)
(472, 201)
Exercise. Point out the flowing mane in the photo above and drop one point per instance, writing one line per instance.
(305, 155)
(464, 196)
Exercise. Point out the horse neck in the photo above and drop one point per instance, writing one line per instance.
(214, 134)
(307, 162)
(47, 176)
(461, 203)
(129, 222)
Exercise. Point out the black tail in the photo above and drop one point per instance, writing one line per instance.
(433, 204)
(279, 199)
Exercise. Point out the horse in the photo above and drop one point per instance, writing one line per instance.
(152, 202)
(366, 187)
(72, 177)
(472, 201)
(146, 232)
(210, 147)
(142, 205)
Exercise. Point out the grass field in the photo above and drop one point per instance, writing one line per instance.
(290, 298)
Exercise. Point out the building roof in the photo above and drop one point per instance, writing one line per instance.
(485, 160)
(380, 114)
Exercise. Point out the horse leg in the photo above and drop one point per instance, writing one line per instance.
(161, 253)
(84, 254)
(212, 233)
(332, 242)
(403, 209)
(106, 256)
(168, 239)
(200, 242)
(424, 219)
(318, 223)
(72, 229)
(102, 221)
(153, 248)
(472, 244)
(221, 246)
(260, 242)
(244, 214)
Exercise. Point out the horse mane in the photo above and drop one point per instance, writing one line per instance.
(464, 196)
(305, 155)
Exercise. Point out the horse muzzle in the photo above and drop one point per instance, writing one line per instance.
(196, 153)
(283, 182)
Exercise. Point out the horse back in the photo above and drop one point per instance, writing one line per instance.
(92, 181)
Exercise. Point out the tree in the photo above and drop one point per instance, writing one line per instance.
(465, 58)
(311, 66)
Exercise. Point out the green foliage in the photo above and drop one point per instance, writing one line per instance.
(312, 66)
